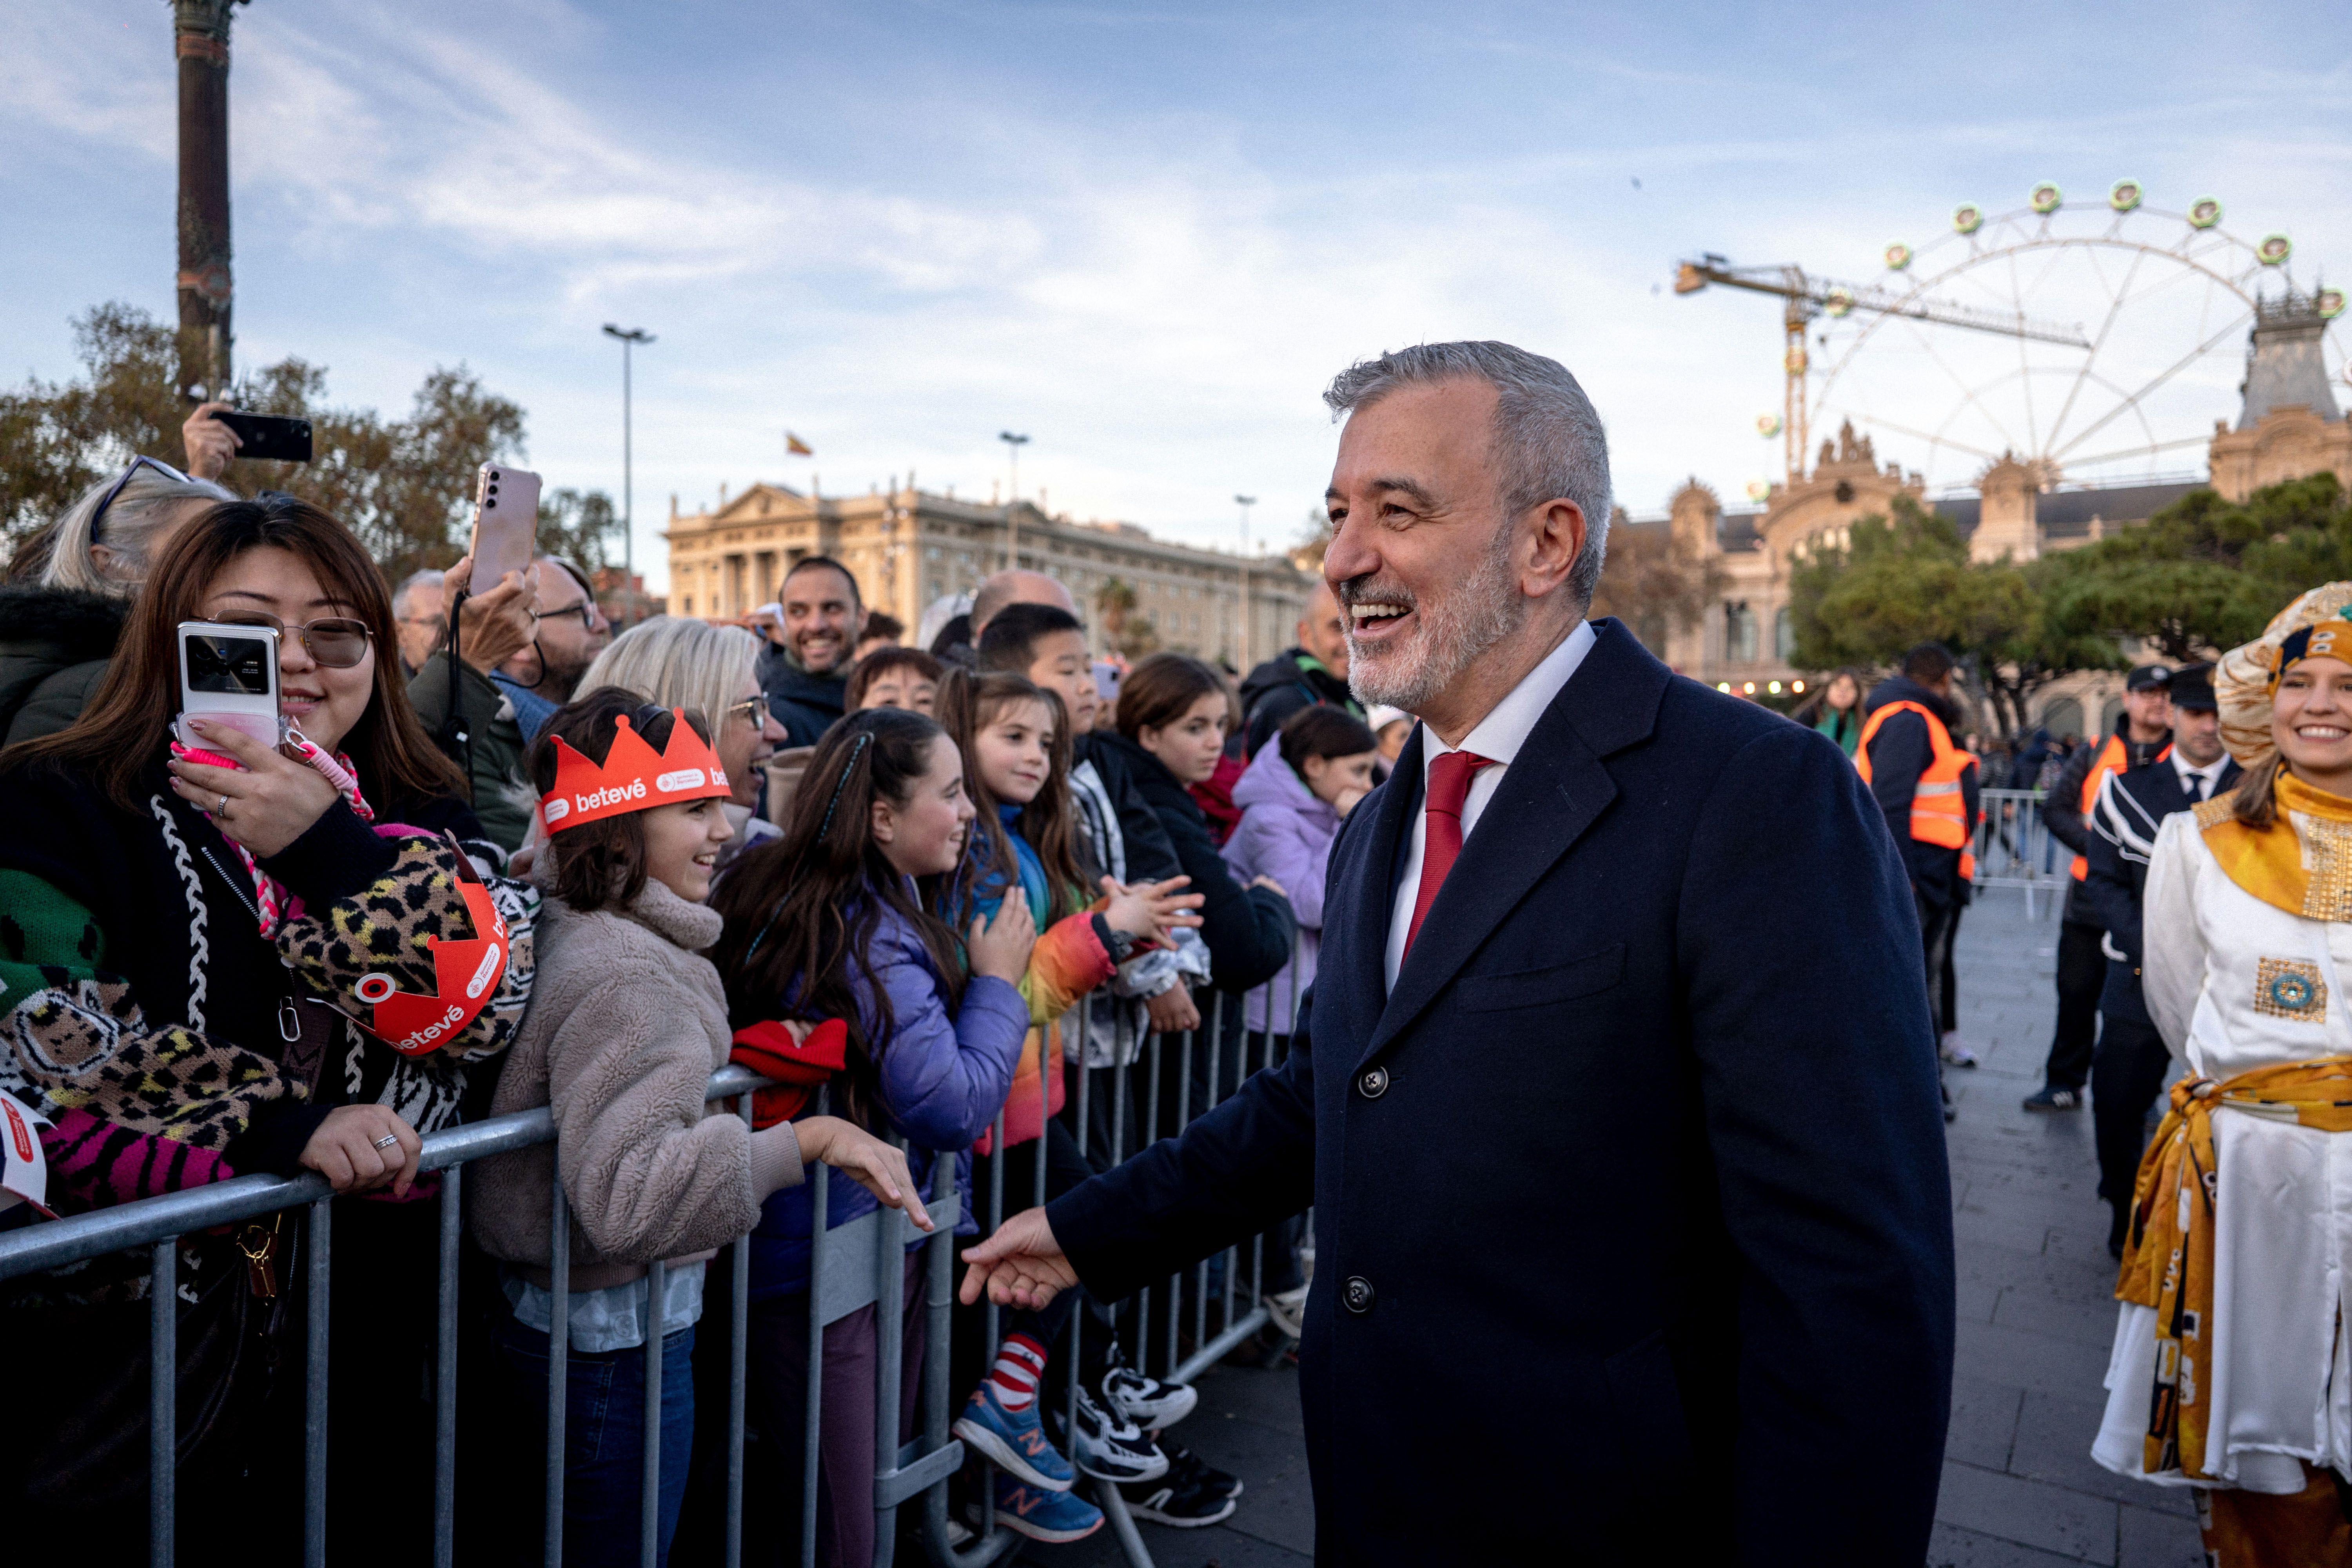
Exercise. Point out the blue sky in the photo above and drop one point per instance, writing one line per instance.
(1144, 236)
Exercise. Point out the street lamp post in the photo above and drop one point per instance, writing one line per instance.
(1245, 503)
(628, 340)
(1012, 444)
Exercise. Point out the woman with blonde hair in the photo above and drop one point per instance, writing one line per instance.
(676, 662)
(58, 626)
(2232, 1373)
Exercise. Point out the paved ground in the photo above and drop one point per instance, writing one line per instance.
(2036, 1317)
(2036, 1293)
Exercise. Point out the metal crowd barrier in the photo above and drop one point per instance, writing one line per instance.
(850, 1267)
(2014, 849)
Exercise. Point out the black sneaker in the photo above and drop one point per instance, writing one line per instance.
(1177, 1506)
(2054, 1097)
(1187, 1468)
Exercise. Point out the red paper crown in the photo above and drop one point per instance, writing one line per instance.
(466, 973)
(633, 778)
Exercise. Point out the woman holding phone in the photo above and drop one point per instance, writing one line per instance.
(188, 926)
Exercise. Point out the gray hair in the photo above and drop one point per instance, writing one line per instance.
(428, 578)
(149, 501)
(679, 663)
(1549, 442)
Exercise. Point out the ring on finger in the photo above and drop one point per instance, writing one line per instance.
(221, 810)
(387, 1141)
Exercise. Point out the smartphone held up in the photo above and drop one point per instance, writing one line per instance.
(506, 524)
(268, 437)
(229, 675)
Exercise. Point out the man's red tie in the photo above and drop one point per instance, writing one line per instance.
(1449, 787)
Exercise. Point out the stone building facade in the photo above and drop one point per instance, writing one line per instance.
(2289, 426)
(909, 547)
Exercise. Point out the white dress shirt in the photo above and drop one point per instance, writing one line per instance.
(1499, 735)
(2199, 782)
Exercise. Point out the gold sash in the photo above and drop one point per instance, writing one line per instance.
(2168, 1255)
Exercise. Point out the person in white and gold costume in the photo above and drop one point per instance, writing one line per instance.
(2232, 1370)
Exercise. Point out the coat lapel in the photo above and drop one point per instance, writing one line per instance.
(1363, 880)
(1551, 794)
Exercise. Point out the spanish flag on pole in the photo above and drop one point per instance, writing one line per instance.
(796, 448)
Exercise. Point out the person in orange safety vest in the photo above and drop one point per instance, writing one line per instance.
(1927, 785)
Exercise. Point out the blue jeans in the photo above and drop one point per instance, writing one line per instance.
(603, 1438)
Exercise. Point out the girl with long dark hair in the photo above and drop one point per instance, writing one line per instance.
(831, 922)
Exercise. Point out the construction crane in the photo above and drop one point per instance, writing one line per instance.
(1807, 297)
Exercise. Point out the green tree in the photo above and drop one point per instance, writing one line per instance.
(575, 524)
(405, 486)
(1905, 579)
(2203, 575)
(1130, 636)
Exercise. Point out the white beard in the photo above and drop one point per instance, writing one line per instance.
(1471, 617)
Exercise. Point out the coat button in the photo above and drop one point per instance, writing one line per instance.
(1356, 1294)
(1375, 1083)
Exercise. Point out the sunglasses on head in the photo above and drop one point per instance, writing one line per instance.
(98, 515)
(336, 642)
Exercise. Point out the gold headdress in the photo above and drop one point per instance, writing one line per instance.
(2319, 622)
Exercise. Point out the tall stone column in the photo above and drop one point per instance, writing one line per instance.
(200, 37)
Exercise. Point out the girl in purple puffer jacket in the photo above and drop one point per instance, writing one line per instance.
(1292, 799)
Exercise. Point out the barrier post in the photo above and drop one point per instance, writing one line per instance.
(820, 1208)
(739, 1345)
(444, 1377)
(558, 1362)
(649, 1494)
(162, 1399)
(314, 1390)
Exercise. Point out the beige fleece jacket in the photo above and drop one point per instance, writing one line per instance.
(627, 1021)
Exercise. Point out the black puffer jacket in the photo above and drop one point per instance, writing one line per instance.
(54, 647)
(1248, 930)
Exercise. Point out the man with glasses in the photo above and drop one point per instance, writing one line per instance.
(416, 616)
(507, 685)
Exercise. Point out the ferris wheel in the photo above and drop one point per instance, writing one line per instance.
(2152, 308)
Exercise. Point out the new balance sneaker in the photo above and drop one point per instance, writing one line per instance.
(1113, 1450)
(1287, 1311)
(1145, 1401)
(1038, 1513)
(1187, 1468)
(1016, 1441)
(1180, 1504)
(2055, 1097)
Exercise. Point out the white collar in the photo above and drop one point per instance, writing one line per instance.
(2185, 771)
(1504, 728)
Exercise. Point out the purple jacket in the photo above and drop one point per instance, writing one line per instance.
(1286, 834)
(943, 1080)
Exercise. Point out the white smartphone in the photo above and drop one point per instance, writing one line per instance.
(229, 674)
(506, 524)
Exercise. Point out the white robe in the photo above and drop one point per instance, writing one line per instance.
(2276, 1379)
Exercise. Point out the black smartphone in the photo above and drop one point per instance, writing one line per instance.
(269, 438)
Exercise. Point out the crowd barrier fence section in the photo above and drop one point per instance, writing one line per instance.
(2014, 848)
(851, 1266)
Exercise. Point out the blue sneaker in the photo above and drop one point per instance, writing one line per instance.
(1041, 1515)
(1017, 1443)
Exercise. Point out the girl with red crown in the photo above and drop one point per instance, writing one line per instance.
(631, 1022)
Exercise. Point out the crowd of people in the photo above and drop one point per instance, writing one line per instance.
(799, 845)
(497, 857)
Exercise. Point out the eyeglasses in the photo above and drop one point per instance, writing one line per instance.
(338, 642)
(113, 491)
(585, 609)
(753, 710)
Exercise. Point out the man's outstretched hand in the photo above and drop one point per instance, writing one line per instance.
(1020, 1266)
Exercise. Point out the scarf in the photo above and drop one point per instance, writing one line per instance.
(271, 899)
(2306, 869)
(2168, 1252)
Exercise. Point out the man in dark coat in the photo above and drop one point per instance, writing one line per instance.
(1314, 673)
(2129, 1066)
(804, 667)
(1633, 1222)
(2141, 732)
